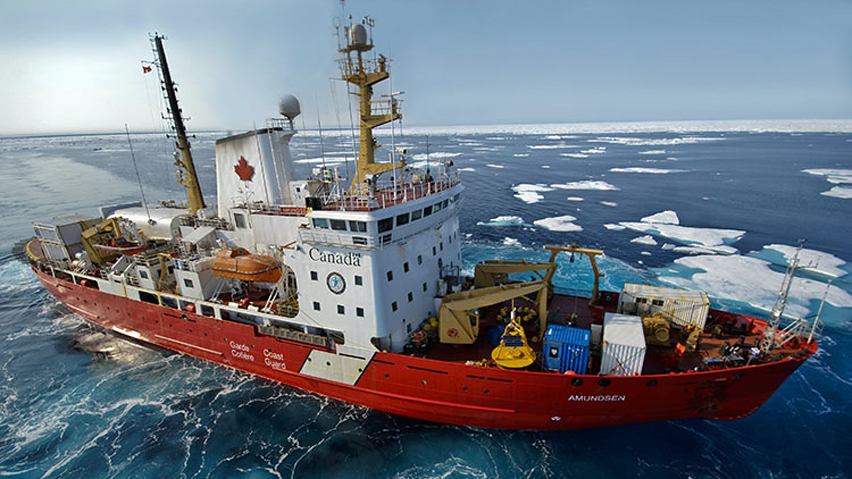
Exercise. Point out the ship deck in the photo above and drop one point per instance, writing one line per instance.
(739, 332)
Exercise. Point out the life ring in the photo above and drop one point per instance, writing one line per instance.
(452, 332)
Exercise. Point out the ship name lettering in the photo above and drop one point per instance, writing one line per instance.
(239, 346)
(277, 365)
(272, 354)
(605, 398)
(348, 259)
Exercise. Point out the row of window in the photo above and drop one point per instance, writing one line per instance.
(340, 309)
(340, 225)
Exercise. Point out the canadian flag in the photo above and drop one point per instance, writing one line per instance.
(146, 69)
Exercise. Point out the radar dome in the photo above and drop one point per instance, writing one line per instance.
(357, 34)
(289, 107)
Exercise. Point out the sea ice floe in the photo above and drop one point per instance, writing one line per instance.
(653, 152)
(530, 193)
(594, 151)
(614, 227)
(492, 165)
(503, 221)
(751, 280)
(574, 198)
(586, 185)
(435, 155)
(667, 217)
(647, 239)
(612, 204)
(809, 259)
(651, 171)
(836, 176)
(557, 146)
(559, 223)
(546, 167)
(713, 239)
(630, 141)
(645, 253)
(511, 242)
(328, 160)
(839, 192)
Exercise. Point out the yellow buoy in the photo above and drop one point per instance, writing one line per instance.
(513, 352)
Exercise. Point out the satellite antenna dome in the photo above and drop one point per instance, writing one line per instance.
(289, 107)
(357, 34)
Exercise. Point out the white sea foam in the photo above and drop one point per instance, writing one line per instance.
(492, 165)
(521, 155)
(466, 169)
(647, 239)
(574, 155)
(574, 198)
(503, 221)
(629, 141)
(652, 171)
(744, 278)
(546, 167)
(511, 242)
(653, 152)
(614, 227)
(667, 217)
(598, 150)
(586, 185)
(530, 193)
(645, 253)
(559, 223)
(839, 192)
(612, 204)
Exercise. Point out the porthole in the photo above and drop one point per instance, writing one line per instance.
(577, 382)
(652, 383)
(387, 375)
(464, 388)
(486, 391)
(738, 376)
(424, 382)
(603, 382)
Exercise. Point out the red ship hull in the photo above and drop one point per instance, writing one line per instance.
(441, 391)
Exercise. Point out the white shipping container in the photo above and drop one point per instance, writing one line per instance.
(680, 306)
(623, 352)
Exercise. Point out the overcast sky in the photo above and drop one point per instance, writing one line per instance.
(75, 66)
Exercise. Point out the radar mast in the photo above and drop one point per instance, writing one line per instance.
(364, 73)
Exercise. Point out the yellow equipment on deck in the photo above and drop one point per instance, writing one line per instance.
(513, 352)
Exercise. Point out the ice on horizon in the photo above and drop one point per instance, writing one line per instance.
(632, 141)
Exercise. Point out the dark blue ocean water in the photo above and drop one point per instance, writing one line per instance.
(78, 403)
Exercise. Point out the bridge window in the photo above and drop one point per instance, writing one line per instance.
(437, 207)
(358, 226)
(339, 225)
(427, 211)
(402, 219)
(320, 223)
(385, 225)
(416, 215)
(240, 220)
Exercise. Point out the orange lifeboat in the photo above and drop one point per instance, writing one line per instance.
(238, 263)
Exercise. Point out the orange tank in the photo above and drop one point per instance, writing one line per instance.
(238, 263)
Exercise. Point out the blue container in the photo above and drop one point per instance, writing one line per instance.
(566, 349)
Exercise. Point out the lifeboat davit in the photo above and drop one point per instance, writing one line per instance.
(238, 263)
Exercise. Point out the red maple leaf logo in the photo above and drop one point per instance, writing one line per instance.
(244, 170)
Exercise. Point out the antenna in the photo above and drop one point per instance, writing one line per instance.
(136, 169)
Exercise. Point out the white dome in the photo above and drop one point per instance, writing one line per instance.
(289, 107)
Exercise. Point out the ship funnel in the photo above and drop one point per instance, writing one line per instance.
(289, 107)
(357, 35)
